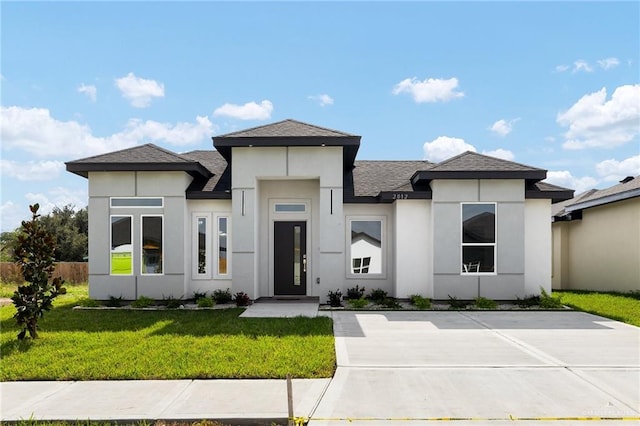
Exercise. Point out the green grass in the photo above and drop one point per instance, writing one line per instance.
(618, 306)
(126, 344)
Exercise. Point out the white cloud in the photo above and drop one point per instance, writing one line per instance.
(608, 63)
(503, 127)
(562, 68)
(505, 154)
(34, 131)
(429, 90)
(32, 170)
(58, 197)
(11, 215)
(581, 65)
(445, 147)
(88, 90)
(565, 179)
(139, 91)
(323, 99)
(248, 111)
(613, 170)
(594, 122)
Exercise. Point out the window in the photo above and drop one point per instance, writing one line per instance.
(121, 245)
(222, 246)
(211, 246)
(201, 250)
(366, 246)
(478, 238)
(137, 202)
(152, 244)
(290, 208)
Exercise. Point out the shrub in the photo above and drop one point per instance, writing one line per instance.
(420, 302)
(355, 292)
(454, 303)
(114, 302)
(222, 296)
(335, 298)
(549, 302)
(142, 302)
(528, 301)
(391, 303)
(358, 303)
(205, 302)
(171, 302)
(199, 295)
(242, 299)
(378, 295)
(88, 302)
(484, 303)
(34, 254)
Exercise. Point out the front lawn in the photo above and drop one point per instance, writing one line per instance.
(169, 344)
(623, 307)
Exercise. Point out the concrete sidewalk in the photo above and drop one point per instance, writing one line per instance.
(233, 401)
(480, 368)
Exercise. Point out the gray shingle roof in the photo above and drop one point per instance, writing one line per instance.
(472, 161)
(148, 157)
(216, 164)
(372, 177)
(286, 128)
(598, 197)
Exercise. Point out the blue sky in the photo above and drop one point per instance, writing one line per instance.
(552, 85)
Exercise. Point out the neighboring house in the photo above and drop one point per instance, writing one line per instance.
(596, 239)
(286, 210)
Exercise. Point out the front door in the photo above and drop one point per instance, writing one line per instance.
(290, 258)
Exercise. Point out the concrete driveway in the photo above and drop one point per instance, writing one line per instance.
(489, 367)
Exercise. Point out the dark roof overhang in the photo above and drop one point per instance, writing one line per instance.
(350, 144)
(82, 168)
(426, 176)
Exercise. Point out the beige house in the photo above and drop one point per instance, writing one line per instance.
(596, 239)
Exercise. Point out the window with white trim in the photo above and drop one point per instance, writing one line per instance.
(121, 259)
(478, 238)
(152, 238)
(211, 246)
(222, 248)
(366, 246)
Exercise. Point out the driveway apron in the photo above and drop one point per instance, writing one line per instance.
(488, 367)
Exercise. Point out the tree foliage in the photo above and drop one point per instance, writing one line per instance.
(34, 253)
(69, 228)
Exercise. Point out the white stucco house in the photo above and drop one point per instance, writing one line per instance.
(285, 210)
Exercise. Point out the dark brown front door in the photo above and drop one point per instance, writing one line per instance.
(290, 258)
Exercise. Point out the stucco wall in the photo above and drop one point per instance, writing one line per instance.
(508, 281)
(602, 250)
(261, 173)
(170, 186)
(385, 280)
(413, 244)
(538, 241)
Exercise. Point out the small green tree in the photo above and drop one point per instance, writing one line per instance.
(34, 253)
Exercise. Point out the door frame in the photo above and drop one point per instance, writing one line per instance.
(289, 217)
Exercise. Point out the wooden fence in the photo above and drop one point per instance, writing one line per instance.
(71, 272)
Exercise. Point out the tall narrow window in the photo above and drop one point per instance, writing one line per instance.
(366, 247)
(202, 245)
(478, 238)
(222, 246)
(121, 245)
(152, 245)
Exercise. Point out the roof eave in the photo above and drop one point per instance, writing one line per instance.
(528, 175)
(604, 200)
(83, 168)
